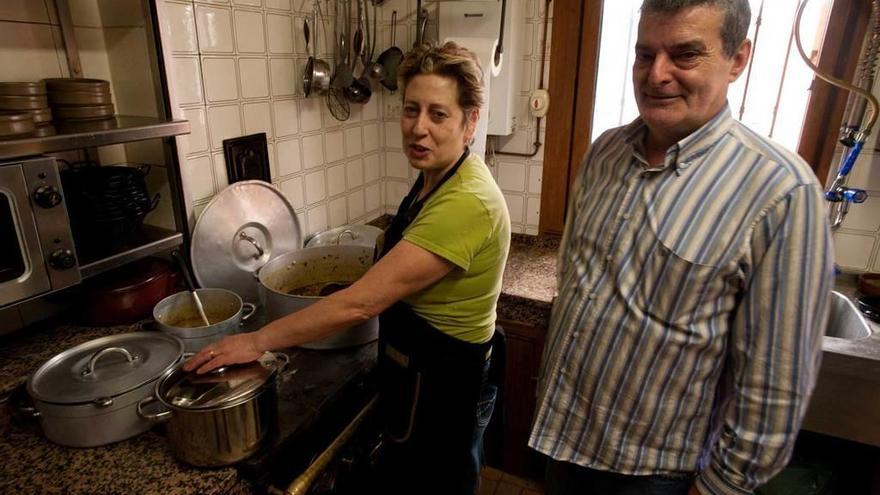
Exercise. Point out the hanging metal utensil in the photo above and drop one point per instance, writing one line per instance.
(359, 91)
(342, 76)
(316, 76)
(374, 69)
(358, 40)
(390, 59)
(338, 105)
(420, 29)
(309, 72)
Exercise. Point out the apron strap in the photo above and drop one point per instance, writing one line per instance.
(410, 206)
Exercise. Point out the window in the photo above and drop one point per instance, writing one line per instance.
(787, 104)
(770, 97)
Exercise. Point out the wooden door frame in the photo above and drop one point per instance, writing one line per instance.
(575, 44)
(821, 129)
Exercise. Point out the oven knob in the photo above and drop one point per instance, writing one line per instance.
(62, 259)
(47, 196)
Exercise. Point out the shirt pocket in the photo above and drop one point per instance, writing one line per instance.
(677, 283)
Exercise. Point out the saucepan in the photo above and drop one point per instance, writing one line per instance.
(177, 315)
(218, 418)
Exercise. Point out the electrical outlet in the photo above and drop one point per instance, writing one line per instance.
(393, 107)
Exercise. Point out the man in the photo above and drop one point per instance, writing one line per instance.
(695, 270)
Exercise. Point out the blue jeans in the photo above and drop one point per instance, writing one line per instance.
(565, 478)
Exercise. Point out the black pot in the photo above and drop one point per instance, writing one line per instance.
(106, 204)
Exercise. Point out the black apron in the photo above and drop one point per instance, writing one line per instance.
(431, 387)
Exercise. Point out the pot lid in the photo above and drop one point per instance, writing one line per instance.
(224, 387)
(242, 228)
(104, 367)
(356, 235)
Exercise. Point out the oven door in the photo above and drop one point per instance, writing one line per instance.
(22, 269)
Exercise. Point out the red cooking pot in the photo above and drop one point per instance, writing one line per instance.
(128, 294)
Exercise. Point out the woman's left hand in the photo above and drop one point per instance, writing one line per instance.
(234, 349)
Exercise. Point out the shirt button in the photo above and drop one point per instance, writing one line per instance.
(608, 258)
(625, 216)
(591, 296)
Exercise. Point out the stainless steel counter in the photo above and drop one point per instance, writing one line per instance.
(846, 400)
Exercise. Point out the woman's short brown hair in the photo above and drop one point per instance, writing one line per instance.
(449, 60)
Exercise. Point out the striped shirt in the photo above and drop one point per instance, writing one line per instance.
(686, 335)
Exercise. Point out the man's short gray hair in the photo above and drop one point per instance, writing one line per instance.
(734, 28)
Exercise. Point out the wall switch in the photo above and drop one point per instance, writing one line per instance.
(539, 102)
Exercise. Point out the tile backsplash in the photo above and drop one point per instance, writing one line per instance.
(235, 69)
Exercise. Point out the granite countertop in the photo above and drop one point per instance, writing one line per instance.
(31, 463)
(529, 284)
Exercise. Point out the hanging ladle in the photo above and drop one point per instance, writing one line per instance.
(390, 59)
(359, 90)
(342, 76)
(374, 70)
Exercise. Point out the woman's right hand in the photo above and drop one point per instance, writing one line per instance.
(235, 349)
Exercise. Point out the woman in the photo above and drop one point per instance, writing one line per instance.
(435, 288)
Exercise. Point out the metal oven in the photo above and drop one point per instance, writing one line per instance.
(37, 253)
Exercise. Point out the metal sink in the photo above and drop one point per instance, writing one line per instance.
(844, 320)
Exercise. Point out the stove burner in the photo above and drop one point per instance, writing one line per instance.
(870, 306)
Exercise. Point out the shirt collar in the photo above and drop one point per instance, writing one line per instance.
(689, 148)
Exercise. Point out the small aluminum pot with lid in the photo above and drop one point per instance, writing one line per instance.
(222, 417)
(88, 395)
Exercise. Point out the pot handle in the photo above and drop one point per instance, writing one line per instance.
(162, 416)
(21, 407)
(283, 357)
(90, 368)
(244, 237)
(248, 310)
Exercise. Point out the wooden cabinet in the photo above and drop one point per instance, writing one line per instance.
(507, 437)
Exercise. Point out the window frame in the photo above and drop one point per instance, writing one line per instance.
(575, 44)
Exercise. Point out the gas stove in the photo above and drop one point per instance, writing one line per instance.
(320, 393)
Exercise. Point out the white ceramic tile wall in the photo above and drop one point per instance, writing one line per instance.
(857, 242)
(519, 177)
(236, 70)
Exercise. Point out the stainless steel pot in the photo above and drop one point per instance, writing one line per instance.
(218, 418)
(87, 395)
(357, 235)
(324, 267)
(177, 315)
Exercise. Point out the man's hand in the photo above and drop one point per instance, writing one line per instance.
(693, 490)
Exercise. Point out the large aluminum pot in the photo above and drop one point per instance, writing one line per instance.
(218, 418)
(286, 281)
(177, 315)
(87, 395)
